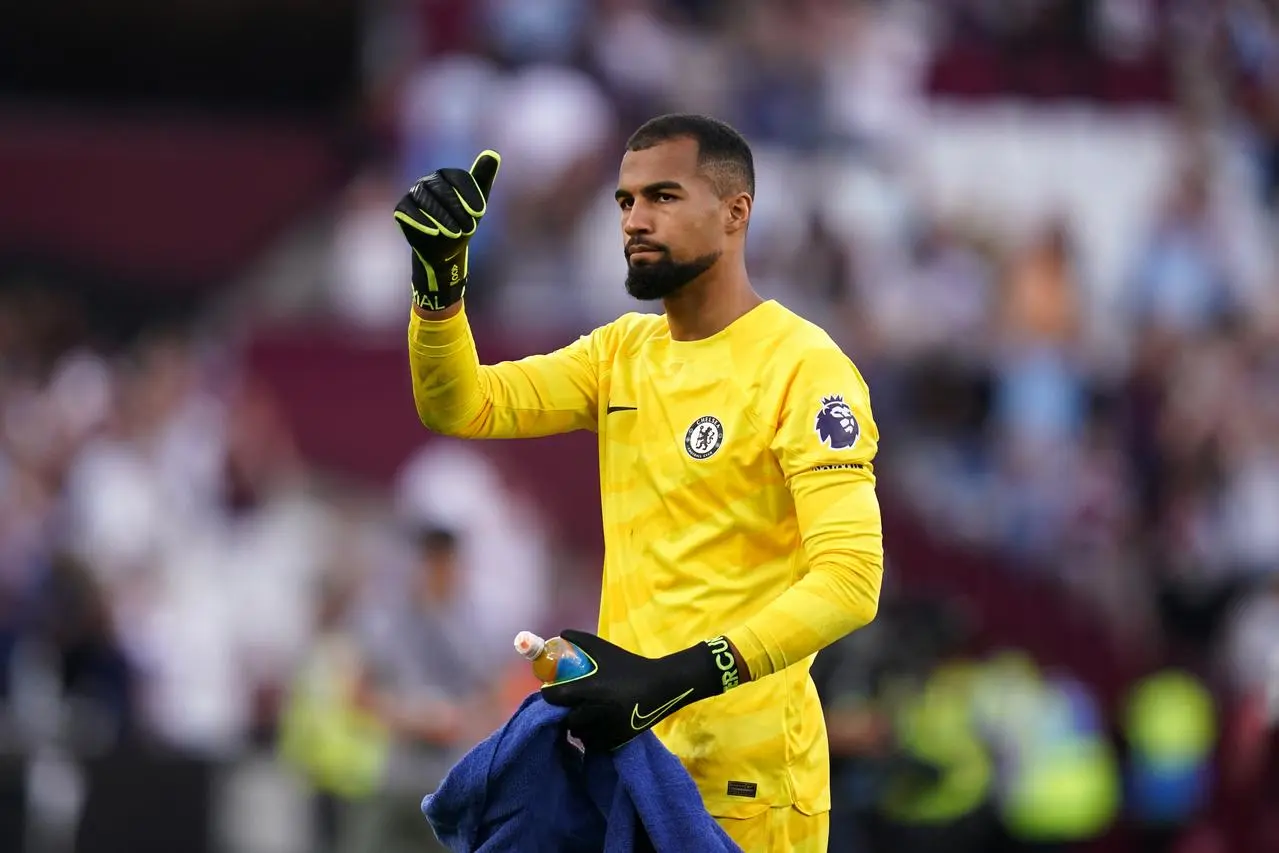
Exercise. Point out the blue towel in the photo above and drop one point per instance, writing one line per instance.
(528, 788)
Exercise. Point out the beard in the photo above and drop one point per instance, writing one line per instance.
(655, 280)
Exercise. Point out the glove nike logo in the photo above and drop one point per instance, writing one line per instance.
(639, 721)
(612, 409)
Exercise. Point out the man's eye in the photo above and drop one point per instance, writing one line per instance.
(625, 204)
(665, 197)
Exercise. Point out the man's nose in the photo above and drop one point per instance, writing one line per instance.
(636, 222)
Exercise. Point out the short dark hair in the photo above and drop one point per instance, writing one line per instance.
(722, 152)
(436, 539)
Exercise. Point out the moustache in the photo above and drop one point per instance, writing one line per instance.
(632, 248)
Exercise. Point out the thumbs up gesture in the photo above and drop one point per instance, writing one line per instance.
(438, 216)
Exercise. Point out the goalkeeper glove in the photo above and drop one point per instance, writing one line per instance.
(439, 216)
(626, 694)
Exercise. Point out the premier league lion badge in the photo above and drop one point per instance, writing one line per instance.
(836, 426)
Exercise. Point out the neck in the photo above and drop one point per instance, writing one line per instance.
(710, 302)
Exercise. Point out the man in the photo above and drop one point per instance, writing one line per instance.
(419, 681)
(735, 446)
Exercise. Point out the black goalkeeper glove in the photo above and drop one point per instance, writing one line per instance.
(439, 216)
(626, 694)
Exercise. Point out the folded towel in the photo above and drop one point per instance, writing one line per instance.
(528, 787)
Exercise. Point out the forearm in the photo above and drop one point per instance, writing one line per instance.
(828, 603)
(535, 396)
(447, 388)
(840, 592)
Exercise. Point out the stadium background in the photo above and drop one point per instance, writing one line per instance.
(1043, 228)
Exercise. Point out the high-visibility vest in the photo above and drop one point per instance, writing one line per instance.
(937, 727)
(1170, 721)
(1066, 783)
(342, 750)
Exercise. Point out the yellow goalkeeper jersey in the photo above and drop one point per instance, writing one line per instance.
(738, 498)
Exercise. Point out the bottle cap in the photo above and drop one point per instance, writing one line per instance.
(529, 645)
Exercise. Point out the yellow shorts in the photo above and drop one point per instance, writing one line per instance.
(783, 830)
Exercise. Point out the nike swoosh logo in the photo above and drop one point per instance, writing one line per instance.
(639, 721)
(612, 409)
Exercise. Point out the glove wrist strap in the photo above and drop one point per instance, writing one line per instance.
(437, 300)
(434, 291)
(709, 667)
(727, 667)
(435, 288)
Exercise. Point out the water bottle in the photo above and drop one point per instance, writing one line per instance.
(553, 660)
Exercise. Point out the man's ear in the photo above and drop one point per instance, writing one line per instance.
(738, 213)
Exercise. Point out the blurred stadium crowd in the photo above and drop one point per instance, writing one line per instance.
(1043, 229)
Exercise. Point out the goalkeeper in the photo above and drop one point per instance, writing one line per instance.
(741, 526)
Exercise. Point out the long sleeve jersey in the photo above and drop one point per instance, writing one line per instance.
(738, 496)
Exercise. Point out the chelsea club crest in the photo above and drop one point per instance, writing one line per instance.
(704, 437)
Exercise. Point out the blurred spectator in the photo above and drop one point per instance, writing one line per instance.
(1040, 391)
(1060, 780)
(367, 271)
(1170, 727)
(340, 747)
(502, 545)
(1250, 651)
(909, 770)
(421, 674)
(1183, 283)
(67, 640)
(946, 271)
(427, 680)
